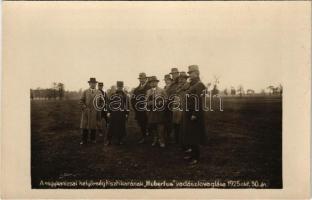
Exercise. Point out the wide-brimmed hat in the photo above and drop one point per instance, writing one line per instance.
(100, 84)
(167, 76)
(92, 80)
(183, 75)
(142, 75)
(152, 79)
(174, 70)
(192, 68)
(120, 84)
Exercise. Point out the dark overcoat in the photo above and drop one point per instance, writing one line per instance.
(118, 117)
(138, 101)
(193, 132)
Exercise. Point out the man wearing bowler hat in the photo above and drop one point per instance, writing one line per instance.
(137, 102)
(156, 102)
(118, 111)
(88, 101)
(193, 123)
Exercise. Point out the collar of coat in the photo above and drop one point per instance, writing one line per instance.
(194, 81)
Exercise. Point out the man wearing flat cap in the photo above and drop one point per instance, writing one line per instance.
(118, 111)
(89, 115)
(156, 101)
(193, 124)
(137, 102)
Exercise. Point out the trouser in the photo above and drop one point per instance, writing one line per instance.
(142, 128)
(142, 122)
(167, 129)
(195, 153)
(158, 133)
(86, 133)
(176, 130)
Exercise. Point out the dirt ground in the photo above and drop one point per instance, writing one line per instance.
(244, 143)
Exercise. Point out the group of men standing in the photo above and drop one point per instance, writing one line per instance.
(162, 112)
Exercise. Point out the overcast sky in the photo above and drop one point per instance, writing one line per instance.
(241, 43)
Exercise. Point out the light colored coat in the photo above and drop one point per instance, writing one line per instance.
(157, 116)
(90, 114)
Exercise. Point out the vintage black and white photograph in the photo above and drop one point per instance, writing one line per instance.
(167, 95)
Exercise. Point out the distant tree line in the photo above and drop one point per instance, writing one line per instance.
(56, 91)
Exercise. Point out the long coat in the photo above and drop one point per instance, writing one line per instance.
(153, 97)
(117, 120)
(180, 103)
(88, 101)
(193, 132)
(172, 93)
(139, 94)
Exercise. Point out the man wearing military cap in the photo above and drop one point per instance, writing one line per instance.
(137, 102)
(156, 101)
(89, 115)
(193, 124)
(118, 111)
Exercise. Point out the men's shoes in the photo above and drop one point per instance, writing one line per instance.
(154, 143)
(187, 157)
(162, 145)
(107, 143)
(141, 141)
(93, 141)
(82, 143)
(193, 162)
(188, 151)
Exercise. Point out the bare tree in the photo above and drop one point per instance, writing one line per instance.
(215, 90)
(233, 91)
(271, 89)
(240, 90)
(225, 91)
(61, 90)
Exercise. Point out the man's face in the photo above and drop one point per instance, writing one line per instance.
(92, 85)
(168, 81)
(119, 88)
(142, 80)
(175, 75)
(100, 87)
(182, 80)
(154, 84)
(193, 74)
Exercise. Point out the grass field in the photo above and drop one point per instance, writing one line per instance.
(244, 143)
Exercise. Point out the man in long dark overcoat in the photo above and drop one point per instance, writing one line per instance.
(118, 111)
(193, 122)
(138, 102)
(172, 91)
(102, 114)
(168, 113)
